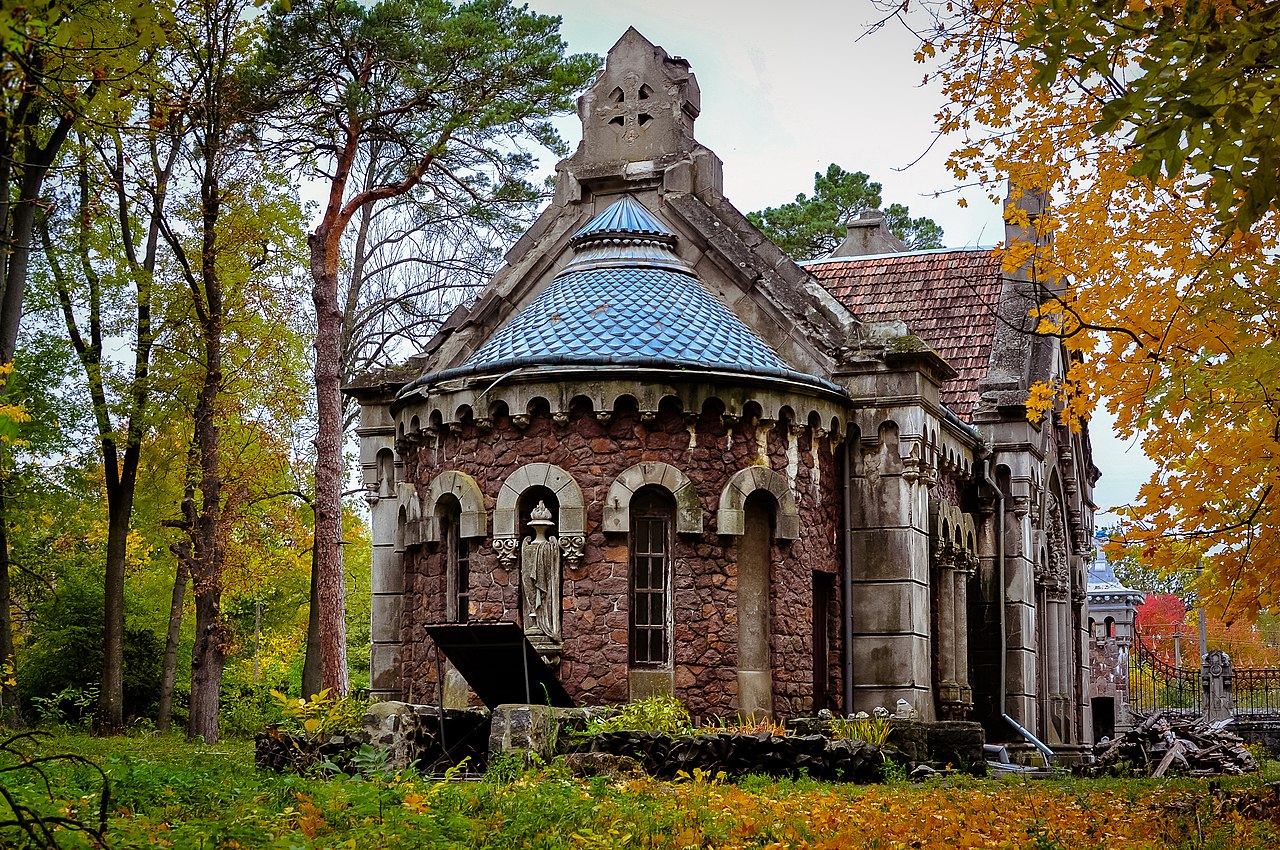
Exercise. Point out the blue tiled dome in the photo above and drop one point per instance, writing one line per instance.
(621, 315)
(626, 299)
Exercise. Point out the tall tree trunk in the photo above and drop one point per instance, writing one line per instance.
(331, 582)
(110, 718)
(209, 541)
(169, 672)
(312, 677)
(207, 659)
(10, 701)
(120, 474)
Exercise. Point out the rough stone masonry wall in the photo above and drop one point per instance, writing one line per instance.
(708, 450)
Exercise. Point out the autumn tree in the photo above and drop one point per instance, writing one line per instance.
(446, 94)
(225, 234)
(1156, 258)
(812, 226)
(37, 422)
(62, 62)
(103, 258)
(1191, 84)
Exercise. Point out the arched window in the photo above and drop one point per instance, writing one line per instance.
(652, 534)
(457, 554)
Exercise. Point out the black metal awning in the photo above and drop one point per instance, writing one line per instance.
(500, 664)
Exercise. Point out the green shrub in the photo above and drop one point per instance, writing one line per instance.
(652, 714)
(70, 706)
(65, 652)
(246, 710)
(872, 730)
(322, 716)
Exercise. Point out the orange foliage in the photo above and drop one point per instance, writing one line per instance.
(993, 815)
(1176, 324)
(1163, 616)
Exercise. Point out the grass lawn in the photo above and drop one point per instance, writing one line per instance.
(168, 793)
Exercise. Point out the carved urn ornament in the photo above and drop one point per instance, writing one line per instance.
(540, 577)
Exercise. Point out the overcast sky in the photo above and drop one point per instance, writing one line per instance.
(789, 87)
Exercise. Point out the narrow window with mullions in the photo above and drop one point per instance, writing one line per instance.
(461, 552)
(651, 521)
(457, 553)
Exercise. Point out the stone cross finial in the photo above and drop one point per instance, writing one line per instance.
(641, 107)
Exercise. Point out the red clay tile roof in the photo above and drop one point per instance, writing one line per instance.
(947, 298)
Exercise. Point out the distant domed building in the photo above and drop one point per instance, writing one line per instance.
(1113, 614)
(686, 465)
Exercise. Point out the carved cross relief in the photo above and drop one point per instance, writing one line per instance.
(629, 107)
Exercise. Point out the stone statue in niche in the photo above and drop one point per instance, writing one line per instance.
(540, 578)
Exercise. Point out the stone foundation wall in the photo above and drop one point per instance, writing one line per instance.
(707, 449)
(1261, 730)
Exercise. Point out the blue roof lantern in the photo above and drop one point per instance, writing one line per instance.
(1102, 582)
(626, 216)
(627, 299)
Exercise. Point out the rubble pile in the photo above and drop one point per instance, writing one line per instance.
(1164, 744)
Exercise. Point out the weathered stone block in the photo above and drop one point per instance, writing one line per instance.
(523, 728)
(729, 521)
(385, 610)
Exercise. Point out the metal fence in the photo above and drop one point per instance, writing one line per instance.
(1154, 683)
(1257, 691)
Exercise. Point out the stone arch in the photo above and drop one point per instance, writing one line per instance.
(617, 506)
(969, 528)
(472, 521)
(572, 519)
(947, 520)
(743, 483)
(409, 525)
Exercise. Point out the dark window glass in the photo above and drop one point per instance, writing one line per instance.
(458, 567)
(651, 523)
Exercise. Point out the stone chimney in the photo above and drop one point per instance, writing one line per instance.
(869, 234)
(1035, 203)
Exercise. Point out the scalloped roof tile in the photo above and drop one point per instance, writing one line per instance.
(626, 215)
(628, 299)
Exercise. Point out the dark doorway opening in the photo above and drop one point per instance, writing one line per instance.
(824, 591)
(1104, 718)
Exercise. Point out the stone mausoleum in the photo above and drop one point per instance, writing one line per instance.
(686, 465)
(1113, 615)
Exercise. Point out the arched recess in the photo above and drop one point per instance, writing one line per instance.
(386, 467)
(617, 506)
(410, 530)
(472, 521)
(572, 514)
(744, 482)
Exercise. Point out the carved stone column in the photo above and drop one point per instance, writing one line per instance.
(945, 635)
(1057, 660)
(967, 565)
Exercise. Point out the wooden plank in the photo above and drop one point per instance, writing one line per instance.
(1169, 756)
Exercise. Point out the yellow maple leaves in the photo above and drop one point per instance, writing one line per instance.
(1169, 320)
